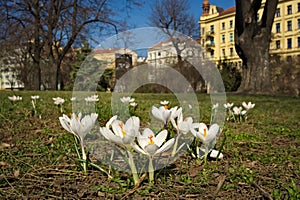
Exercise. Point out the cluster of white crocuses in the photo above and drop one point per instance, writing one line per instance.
(129, 100)
(238, 113)
(131, 137)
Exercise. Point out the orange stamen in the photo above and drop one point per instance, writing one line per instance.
(166, 107)
(205, 133)
(151, 139)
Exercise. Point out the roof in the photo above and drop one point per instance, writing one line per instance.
(228, 11)
(160, 44)
(110, 50)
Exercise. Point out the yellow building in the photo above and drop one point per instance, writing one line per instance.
(217, 31)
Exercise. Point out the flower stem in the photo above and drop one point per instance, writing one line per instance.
(175, 146)
(133, 169)
(84, 158)
(151, 171)
(205, 155)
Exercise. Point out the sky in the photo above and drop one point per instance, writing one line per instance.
(139, 17)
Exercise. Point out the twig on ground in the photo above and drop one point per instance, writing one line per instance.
(220, 184)
(264, 193)
(136, 186)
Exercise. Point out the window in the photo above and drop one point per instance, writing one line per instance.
(277, 44)
(289, 43)
(223, 52)
(298, 41)
(212, 29)
(231, 51)
(231, 37)
(203, 41)
(298, 23)
(158, 54)
(277, 27)
(289, 10)
(223, 38)
(223, 25)
(203, 30)
(231, 24)
(289, 25)
(277, 13)
(298, 7)
(212, 53)
(212, 41)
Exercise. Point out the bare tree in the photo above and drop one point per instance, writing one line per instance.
(51, 27)
(252, 40)
(173, 17)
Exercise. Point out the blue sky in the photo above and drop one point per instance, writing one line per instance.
(139, 17)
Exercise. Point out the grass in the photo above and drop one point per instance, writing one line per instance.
(261, 155)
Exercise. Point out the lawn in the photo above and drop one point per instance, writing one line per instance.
(261, 155)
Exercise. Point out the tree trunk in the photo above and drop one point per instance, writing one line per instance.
(256, 70)
(252, 40)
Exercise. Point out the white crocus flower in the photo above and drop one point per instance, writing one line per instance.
(123, 134)
(182, 125)
(164, 102)
(79, 127)
(248, 105)
(92, 98)
(164, 114)
(133, 104)
(35, 97)
(15, 98)
(215, 106)
(206, 135)
(127, 100)
(73, 99)
(151, 145)
(239, 111)
(58, 100)
(120, 133)
(228, 105)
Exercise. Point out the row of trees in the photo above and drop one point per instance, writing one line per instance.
(45, 31)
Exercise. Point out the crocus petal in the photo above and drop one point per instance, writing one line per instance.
(110, 121)
(138, 149)
(156, 113)
(160, 138)
(65, 122)
(166, 146)
(110, 136)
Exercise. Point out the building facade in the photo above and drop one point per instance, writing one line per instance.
(165, 53)
(9, 72)
(217, 31)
